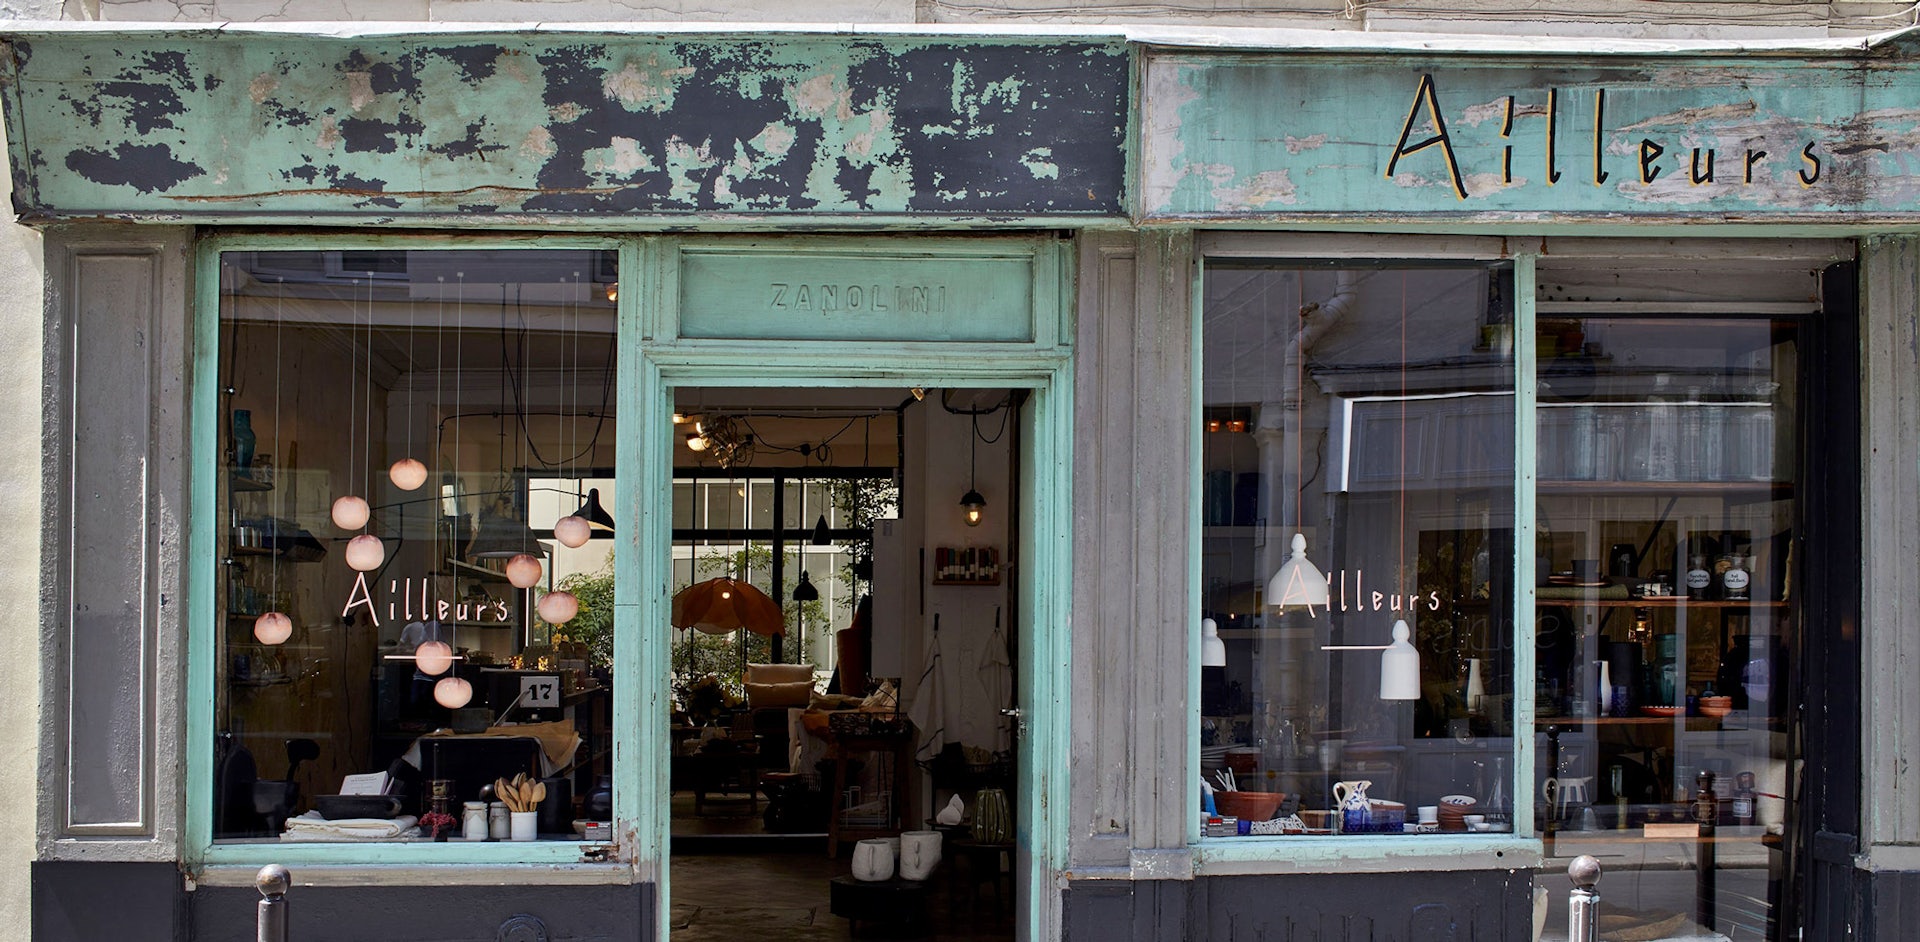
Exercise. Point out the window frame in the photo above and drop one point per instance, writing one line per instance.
(1523, 846)
(560, 860)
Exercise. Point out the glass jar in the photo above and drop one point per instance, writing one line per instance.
(473, 821)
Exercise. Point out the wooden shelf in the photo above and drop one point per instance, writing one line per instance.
(974, 582)
(239, 483)
(1558, 601)
(1744, 490)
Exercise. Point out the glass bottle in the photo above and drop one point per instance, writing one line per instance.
(1663, 432)
(1736, 578)
(1581, 443)
(1760, 440)
(1498, 810)
(1699, 578)
(1693, 438)
(1713, 441)
(243, 442)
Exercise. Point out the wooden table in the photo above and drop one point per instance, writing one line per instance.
(843, 749)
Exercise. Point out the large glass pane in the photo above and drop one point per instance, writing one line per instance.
(1666, 617)
(407, 440)
(1365, 415)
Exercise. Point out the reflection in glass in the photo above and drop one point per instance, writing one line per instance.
(1370, 411)
(1666, 514)
(461, 398)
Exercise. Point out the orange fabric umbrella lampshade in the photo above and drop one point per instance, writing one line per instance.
(721, 606)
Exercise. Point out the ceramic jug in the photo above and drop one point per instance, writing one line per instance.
(919, 854)
(1356, 812)
(873, 861)
(992, 817)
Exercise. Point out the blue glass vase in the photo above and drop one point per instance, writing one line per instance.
(243, 442)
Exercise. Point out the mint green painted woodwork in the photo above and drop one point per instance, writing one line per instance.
(860, 297)
(652, 361)
(1285, 136)
(487, 127)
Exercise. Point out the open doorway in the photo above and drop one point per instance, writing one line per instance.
(843, 663)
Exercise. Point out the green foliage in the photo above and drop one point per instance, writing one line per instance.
(861, 501)
(594, 625)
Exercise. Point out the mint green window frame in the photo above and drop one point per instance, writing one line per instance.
(1523, 846)
(651, 361)
(198, 847)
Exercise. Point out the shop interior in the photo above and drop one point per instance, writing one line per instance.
(867, 722)
(419, 490)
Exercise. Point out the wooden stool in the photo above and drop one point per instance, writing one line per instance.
(983, 866)
(895, 907)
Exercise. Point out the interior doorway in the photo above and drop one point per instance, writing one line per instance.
(844, 663)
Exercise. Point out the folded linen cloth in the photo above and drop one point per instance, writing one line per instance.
(312, 827)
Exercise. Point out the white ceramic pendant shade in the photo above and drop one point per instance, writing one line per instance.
(1400, 666)
(1298, 581)
(350, 512)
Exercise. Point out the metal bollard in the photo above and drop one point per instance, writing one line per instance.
(272, 882)
(1583, 905)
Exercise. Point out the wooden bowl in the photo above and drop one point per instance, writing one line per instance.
(1716, 706)
(1248, 806)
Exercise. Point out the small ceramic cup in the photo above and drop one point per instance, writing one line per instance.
(1474, 821)
(525, 825)
(1429, 814)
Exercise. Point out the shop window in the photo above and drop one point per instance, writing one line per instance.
(1667, 613)
(416, 488)
(1363, 415)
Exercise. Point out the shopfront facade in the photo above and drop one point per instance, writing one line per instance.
(1474, 324)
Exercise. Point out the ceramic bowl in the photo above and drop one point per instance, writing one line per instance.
(1716, 706)
(1248, 806)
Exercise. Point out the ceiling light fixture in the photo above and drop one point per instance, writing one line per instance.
(971, 503)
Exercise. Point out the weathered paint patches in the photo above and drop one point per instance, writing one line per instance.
(1226, 137)
(182, 124)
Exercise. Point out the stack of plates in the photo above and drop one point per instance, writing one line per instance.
(1213, 757)
(1454, 810)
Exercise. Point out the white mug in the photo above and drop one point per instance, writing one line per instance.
(919, 854)
(1429, 814)
(872, 861)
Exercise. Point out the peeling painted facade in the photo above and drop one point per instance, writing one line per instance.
(1134, 154)
(1747, 137)
(558, 128)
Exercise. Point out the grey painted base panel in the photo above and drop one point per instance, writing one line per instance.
(1481, 906)
(88, 902)
(1893, 906)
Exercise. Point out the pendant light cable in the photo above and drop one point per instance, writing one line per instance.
(273, 496)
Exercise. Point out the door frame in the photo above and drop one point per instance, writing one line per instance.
(661, 362)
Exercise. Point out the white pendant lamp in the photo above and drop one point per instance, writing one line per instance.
(365, 552)
(1299, 581)
(408, 474)
(350, 513)
(523, 571)
(1400, 666)
(272, 628)
(1399, 663)
(452, 692)
(1213, 650)
(433, 657)
(558, 608)
(572, 532)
